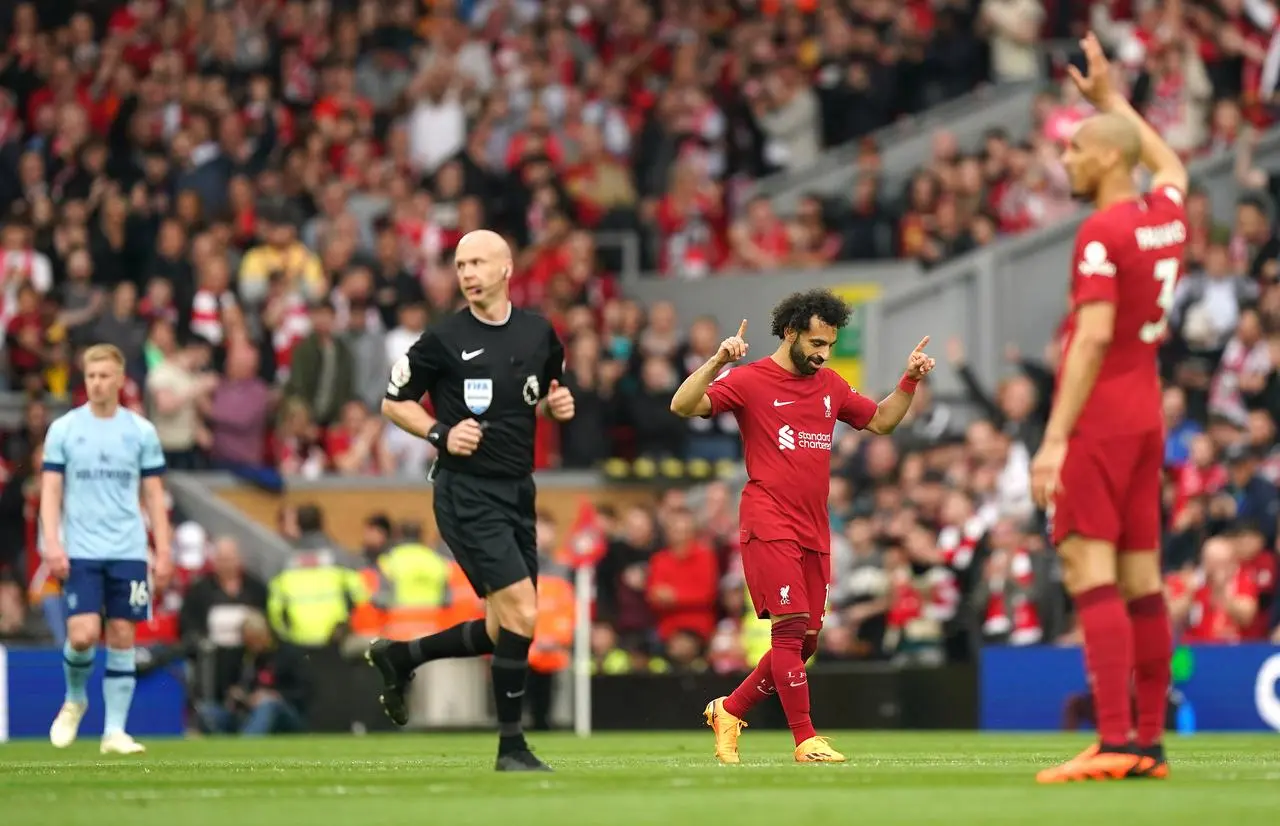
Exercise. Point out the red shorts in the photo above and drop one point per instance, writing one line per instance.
(784, 578)
(1111, 491)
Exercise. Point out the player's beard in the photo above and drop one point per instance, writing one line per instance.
(803, 365)
(1085, 192)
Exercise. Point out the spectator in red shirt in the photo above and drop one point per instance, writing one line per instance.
(761, 240)
(25, 340)
(917, 221)
(1218, 603)
(545, 258)
(341, 99)
(688, 219)
(1200, 476)
(813, 241)
(354, 445)
(295, 445)
(683, 582)
(536, 140)
(63, 87)
(599, 183)
(1258, 565)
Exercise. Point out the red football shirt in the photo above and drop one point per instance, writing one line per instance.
(1130, 255)
(1208, 622)
(1261, 571)
(786, 422)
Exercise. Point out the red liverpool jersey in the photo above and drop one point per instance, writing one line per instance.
(786, 423)
(1130, 255)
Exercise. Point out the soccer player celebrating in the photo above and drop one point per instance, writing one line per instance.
(1098, 469)
(787, 406)
(95, 457)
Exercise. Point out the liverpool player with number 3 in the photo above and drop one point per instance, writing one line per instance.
(1098, 470)
(787, 406)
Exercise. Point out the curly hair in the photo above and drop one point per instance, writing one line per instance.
(796, 310)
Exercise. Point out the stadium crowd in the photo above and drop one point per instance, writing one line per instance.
(256, 203)
(1195, 70)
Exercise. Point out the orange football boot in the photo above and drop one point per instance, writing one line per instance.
(818, 750)
(1095, 764)
(1159, 767)
(726, 728)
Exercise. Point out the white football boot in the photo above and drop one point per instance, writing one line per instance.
(120, 743)
(66, 726)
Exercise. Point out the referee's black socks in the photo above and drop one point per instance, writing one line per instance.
(466, 639)
(510, 667)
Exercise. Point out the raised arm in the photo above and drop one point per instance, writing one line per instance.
(893, 407)
(691, 397)
(1166, 167)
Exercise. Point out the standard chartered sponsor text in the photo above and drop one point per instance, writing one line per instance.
(813, 441)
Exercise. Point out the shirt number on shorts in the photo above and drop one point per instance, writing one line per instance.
(1166, 272)
(139, 594)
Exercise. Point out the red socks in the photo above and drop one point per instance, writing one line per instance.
(790, 678)
(1152, 649)
(759, 684)
(1108, 658)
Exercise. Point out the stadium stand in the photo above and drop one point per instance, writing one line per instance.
(251, 198)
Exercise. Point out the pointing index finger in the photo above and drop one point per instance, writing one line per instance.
(923, 343)
(742, 328)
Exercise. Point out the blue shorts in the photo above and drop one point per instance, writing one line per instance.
(120, 589)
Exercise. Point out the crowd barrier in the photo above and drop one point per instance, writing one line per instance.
(1223, 687)
(842, 697)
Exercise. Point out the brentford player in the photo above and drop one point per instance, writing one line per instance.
(1098, 470)
(787, 407)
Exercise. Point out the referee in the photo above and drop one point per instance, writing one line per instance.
(489, 370)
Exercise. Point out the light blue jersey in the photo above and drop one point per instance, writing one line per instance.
(102, 462)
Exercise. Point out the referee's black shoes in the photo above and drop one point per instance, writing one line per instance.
(393, 681)
(520, 761)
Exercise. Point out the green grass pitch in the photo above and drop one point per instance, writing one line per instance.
(663, 779)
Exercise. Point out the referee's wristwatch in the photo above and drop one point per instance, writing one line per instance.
(438, 435)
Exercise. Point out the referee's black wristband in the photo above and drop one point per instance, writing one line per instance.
(438, 435)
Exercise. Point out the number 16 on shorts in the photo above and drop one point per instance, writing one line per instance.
(119, 589)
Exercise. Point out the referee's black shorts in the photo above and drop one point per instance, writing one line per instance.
(490, 525)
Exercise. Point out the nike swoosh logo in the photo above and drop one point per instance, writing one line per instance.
(469, 356)
(517, 695)
(777, 403)
(797, 685)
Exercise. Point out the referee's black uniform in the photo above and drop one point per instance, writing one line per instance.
(495, 374)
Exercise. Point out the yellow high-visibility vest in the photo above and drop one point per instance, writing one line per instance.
(305, 604)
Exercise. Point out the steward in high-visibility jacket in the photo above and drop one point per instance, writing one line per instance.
(463, 604)
(756, 634)
(368, 618)
(418, 579)
(615, 661)
(312, 597)
(552, 649)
